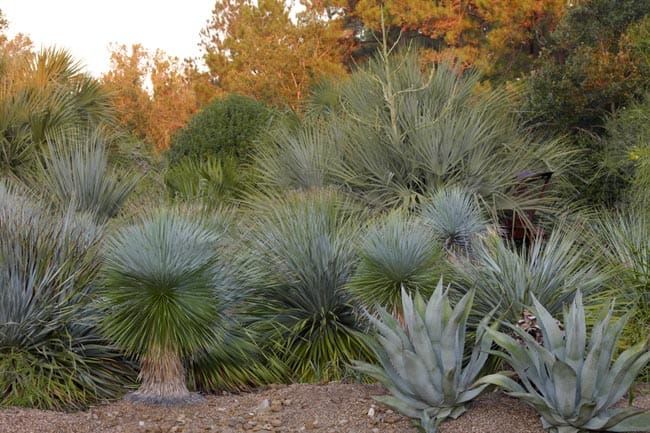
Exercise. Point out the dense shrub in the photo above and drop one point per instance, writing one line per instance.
(226, 127)
(51, 355)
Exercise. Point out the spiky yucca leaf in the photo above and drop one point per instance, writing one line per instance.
(455, 218)
(422, 362)
(397, 251)
(301, 258)
(570, 380)
(76, 172)
(51, 355)
(551, 270)
(211, 181)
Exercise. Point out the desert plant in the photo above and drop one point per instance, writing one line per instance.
(550, 269)
(622, 240)
(211, 181)
(455, 218)
(51, 353)
(408, 130)
(422, 363)
(302, 157)
(302, 257)
(572, 385)
(397, 251)
(76, 172)
(159, 299)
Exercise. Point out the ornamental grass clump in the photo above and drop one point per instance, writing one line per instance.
(572, 383)
(159, 300)
(422, 362)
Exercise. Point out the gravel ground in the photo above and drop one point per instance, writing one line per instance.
(332, 408)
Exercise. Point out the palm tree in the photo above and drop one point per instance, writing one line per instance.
(160, 301)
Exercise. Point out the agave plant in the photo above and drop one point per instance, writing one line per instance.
(574, 385)
(422, 363)
(397, 251)
(302, 257)
(76, 172)
(159, 300)
(551, 270)
(51, 353)
(455, 218)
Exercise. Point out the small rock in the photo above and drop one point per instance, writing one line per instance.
(263, 406)
(141, 423)
(276, 422)
(371, 412)
(375, 430)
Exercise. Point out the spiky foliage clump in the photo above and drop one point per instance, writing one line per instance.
(407, 131)
(159, 299)
(51, 355)
(455, 218)
(302, 257)
(574, 385)
(551, 270)
(396, 251)
(623, 242)
(76, 173)
(301, 158)
(422, 363)
(210, 181)
(44, 93)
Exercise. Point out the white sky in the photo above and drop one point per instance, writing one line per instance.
(87, 27)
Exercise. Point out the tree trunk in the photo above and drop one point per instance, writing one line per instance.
(162, 378)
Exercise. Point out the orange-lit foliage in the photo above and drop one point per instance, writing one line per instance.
(154, 94)
(498, 36)
(255, 49)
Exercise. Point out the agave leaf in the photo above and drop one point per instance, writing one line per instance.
(575, 334)
(609, 418)
(623, 381)
(399, 405)
(566, 387)
(471, 394)
(636, 423)
(553, 335)
(418, 377)
(502, 381)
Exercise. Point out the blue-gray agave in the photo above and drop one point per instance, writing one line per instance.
(573, 385)
(422, 360)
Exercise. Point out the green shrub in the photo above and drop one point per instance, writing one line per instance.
(301, 258)
(572, 383)
(423, 362)
(159, 299)
(226, 128)
(51, 355)
(396, 252)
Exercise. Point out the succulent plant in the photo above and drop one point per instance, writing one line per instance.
(421, 362)
(573, 385)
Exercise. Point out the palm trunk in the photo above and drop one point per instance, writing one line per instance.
(162, 378)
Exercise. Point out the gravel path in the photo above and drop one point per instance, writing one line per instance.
(332, 408)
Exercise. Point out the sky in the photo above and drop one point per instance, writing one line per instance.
(87, 27)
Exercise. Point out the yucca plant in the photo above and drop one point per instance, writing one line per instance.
(455, 218)
(51, 353)
(550, 269)
(302, 257)
(302, 157)
(422, 362)
(622, 240)
(159, 299)
(408, 131)
(574, 385)
(76, 172)
(397, 251)
(211, 181)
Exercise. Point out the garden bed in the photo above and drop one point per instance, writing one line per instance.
(332, 408)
